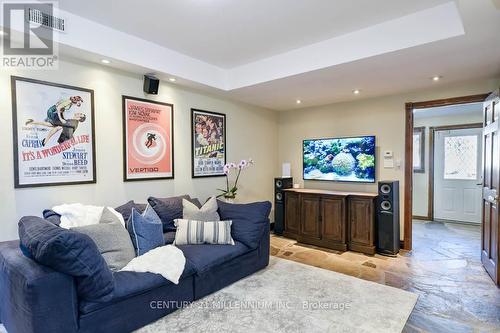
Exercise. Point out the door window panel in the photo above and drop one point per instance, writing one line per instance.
(418, 149)
(460, 157)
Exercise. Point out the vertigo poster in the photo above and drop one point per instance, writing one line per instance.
(148, 139)
(208, 143)
(53, 126)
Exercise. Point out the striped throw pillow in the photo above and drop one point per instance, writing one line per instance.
(202, 232)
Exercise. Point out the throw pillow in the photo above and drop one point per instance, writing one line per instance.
(196, 202)
(68, 252)
(203, 232)
(249, 220)
(126, 209)
(168, 209)
(208, 212)
(145, 230)
(112, 240)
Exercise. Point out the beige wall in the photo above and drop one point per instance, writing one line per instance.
(383, 117)
(421, 180)
(251, 132)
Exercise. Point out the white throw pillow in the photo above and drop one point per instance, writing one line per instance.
(208, 212)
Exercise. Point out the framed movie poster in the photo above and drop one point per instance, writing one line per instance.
(148, 136)
(208, 142)
(54, 140)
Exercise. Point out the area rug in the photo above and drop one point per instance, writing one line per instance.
(293, 297)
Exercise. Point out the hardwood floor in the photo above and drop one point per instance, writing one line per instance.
(444, 269)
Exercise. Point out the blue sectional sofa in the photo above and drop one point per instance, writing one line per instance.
(37, 299)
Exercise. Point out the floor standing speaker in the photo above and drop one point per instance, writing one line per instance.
(388, 218)
(280, 184)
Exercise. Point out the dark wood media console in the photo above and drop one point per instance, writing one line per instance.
(332, 219)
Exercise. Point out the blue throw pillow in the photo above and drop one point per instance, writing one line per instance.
(68, 252)
(168, 209)
(146, 230)
(249, 220)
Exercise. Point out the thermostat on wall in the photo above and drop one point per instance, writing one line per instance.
(388, 160)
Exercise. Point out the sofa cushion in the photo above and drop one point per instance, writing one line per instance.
(145, 230)
(68, 252)
(249, 220)
(51, 216)
(129, 284)
(168, 209)
(169, 237)
(204, 257)
(126, 209)
(31, 294)
(208, 212)
(112, 240)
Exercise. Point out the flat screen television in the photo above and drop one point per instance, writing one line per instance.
(340, 159)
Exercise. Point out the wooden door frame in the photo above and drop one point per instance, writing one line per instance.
(408, 188)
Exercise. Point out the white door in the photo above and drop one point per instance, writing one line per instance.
(457, 175)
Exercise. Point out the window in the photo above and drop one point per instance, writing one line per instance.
(419, 149)
(460, 157)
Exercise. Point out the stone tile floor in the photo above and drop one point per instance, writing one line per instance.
(444, 269)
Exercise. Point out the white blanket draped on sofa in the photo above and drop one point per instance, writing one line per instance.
(168, 261)
(78, 215)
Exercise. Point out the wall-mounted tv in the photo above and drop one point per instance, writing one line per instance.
(340, 159)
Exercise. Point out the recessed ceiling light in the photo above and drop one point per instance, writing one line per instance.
(172, 79)
(105, 61)
(356, 92)
(436, 78)
(298, 101)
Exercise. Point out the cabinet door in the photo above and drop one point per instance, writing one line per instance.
(333, 219)
(311, 216)
(292, 213)
(361, 222)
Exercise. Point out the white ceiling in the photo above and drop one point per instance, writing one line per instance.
(229, 33)
(475, 55)
(270, 53)
(451, 110)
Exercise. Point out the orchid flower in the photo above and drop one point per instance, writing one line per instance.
(243, 164)
(230, 192)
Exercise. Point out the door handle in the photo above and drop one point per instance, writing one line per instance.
(493, 198)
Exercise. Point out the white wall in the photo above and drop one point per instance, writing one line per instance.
(251, 132)
(383, 117)
(421, 180)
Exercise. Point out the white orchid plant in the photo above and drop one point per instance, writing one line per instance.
(230, 191)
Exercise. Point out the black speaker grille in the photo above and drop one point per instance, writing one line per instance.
(385, 205)
(385, 189)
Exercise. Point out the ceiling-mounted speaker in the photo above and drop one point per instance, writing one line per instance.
(151, 85)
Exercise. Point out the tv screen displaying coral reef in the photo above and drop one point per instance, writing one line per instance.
(340, 159)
